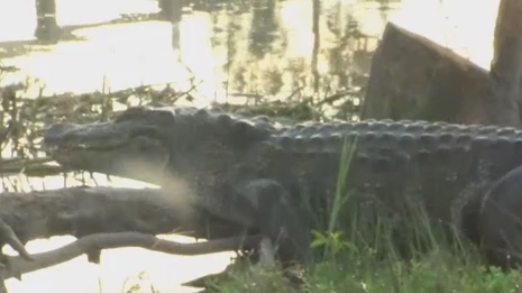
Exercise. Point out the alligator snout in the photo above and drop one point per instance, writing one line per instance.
(94, 135)
(55, 133)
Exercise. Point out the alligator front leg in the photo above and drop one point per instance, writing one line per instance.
(500, 221)
(263, 204)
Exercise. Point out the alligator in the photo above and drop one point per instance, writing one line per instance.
(274, 180)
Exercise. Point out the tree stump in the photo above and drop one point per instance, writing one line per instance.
(415, 78)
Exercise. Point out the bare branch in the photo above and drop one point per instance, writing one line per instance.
(82, 211)
(19, 266)
(8, 235)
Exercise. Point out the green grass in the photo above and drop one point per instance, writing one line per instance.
(367, 260)
(436, 272)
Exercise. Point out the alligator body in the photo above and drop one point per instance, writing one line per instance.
(269, 179)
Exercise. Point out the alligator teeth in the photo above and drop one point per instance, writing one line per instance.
(75, 146)
(80, 147)
(62, 148)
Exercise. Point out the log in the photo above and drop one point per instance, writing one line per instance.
(102, 217)
(81, 211)
(415, 78)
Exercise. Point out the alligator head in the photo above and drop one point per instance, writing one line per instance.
(153, 145)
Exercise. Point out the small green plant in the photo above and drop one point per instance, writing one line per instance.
(333, 240)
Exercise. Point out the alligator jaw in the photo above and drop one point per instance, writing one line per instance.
(107, 148)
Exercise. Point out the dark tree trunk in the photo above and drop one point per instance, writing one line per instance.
(172, 11)
(316, 13)
(47, 29)
(506, 66)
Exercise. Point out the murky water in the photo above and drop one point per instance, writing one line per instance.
(122, 56)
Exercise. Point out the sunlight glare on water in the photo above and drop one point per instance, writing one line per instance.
(128, 55)
(464, 26)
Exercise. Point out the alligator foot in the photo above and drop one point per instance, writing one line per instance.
(262, 205)
(278, 220)
(500, 221)
(240, 264)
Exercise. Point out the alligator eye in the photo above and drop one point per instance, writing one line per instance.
(131, 113)
(161, 117)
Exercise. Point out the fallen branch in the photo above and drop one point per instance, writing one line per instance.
(19, 266)
(83, 211)
(102, 218)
